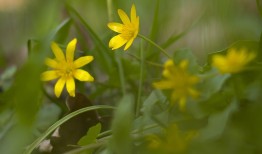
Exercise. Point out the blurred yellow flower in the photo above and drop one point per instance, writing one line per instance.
(233, 62)
(66, 69)
(179, 80)
(174, 141)
(128, 30)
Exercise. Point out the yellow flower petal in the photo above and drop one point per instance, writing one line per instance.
(193, 92)
(70, 86)
(165, 84)
(116, 27)
(137, 24)
(58, 52)
(116, 42)
(83, 61)
(128, 30)
(59, 86)
(49, 75)
(234, 61)
(129, 43)
(183, 64)
(250, 56)
(133, 14)
(137, 27)
(51, 63)
(174, 97)
(182, 103)
(123, 16)
(193, 79)
(82, 75)
(169, 63)
(70, 50)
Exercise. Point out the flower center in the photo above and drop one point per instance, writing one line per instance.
(128, 31)
(67, 70)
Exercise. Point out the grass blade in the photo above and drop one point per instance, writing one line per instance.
(61, 121)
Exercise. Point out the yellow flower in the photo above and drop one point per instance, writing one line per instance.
(66, 69)
(174, 141)
(233, 62)
(179, 80)
(128, 30)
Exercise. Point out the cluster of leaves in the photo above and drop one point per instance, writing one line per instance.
(225, 118)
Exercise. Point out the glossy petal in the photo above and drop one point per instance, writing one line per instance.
(133, 14)
(49, 75)
(82, 75)
(83, 61)
(59, 86)
(123, 16)
(70, 50)
(137, 27)
(116, 27)
(58, 52)
(129, 43)
(116, 42)
(51, 63)
(70, 86)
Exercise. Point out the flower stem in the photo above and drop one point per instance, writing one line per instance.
(148, 62)
(156, 45)
(121, 74)
(109, 10)
(140, 79)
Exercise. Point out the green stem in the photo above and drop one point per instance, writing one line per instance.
(121, 74)
(140, 79)
(148, 62)
(156, 45)
(109, 10)
(104, 134)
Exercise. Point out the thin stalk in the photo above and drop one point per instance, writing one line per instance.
(146, 61)
(109, 10)
(121, 75)
(138, 103)
(104, 134)
(156, 45)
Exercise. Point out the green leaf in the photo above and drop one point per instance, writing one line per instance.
(122, 125)
(212, 83)
(186, 54)
(36, 143)
(217, 122)
(61, 32)
(91, 135)
(155, 24)
(6, 78)
(149, 103)
(90, 138)
(153, 33)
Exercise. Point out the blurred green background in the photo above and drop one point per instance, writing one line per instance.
(210, 25)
